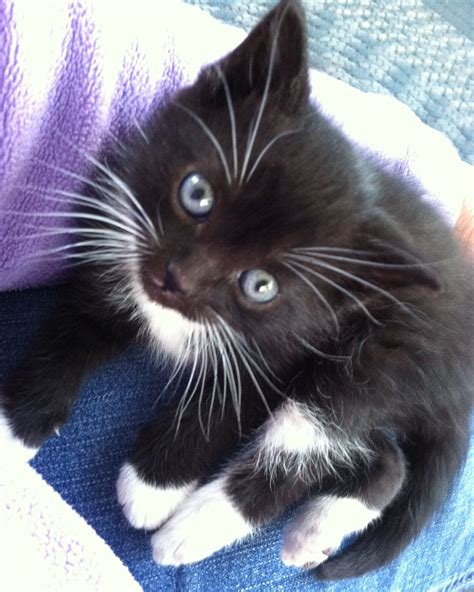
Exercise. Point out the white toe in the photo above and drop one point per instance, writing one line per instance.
(144, 505)
(205, 523)
(319, 528)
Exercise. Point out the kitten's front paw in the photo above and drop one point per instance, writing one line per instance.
(13, 451)
(205, 523)
(144, 505)
(318, 530)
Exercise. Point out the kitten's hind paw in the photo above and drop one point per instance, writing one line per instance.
(145, 505)
(205, 523)
(319, 528)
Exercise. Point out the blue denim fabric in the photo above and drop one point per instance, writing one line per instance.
(82, 465)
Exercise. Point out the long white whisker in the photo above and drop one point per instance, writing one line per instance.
(245, 363)
(250, 355)
(318, 293)
(99, 206)
(211, 137)
(337, 287)
(111, 179)
(178, 369)
(233, 126)
(263, 102)
(322, 354)
(214, 366)
(336, 249)
(223, 359)
(232, 373)
(120, 184)
(78, 215)
(98, 232)
(205, 353)
(266, 149)
(184, 402)
(140, 129)
(359, 281)
(88, 257)
(362, 261)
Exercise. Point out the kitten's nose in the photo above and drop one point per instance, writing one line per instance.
(171, 281)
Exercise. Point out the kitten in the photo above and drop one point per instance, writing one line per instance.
(318, 313)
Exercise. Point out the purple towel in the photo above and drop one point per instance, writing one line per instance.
(74, 75)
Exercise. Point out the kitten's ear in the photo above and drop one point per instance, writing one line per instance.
(391, 247)
(272, 60)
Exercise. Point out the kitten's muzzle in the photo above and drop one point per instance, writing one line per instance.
(172, 282)
(166, 286)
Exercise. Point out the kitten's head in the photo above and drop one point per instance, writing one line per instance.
(238, 176)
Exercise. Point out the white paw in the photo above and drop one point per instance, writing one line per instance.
(205, 523)
(144, 505)
(319, 528)
(12, 450)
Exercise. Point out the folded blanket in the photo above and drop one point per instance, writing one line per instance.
(76, 74)
(60, 551)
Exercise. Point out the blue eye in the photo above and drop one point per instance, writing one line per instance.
(258, 285)
(196, 195)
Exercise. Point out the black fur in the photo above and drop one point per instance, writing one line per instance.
(405, 371)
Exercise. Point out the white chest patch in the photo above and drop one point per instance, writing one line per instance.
(292, 429)
(302, 438)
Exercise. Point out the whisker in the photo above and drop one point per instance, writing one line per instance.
(214, 364)
(182, 407)
(263, 102)
(336, 249)
(230, 108)
(120, 184)
(364, 261)
(322, 354)
(211, 137)
(92, 232)
(113, 181)
(97, 205)
(140, 129)
(359, 280)
(337, 287)
(205, 354)
(77, 215)
(245, 362)
(232, 373)
(224, 360)
(113, 177)
(178, 369)
(266, 149)
(318, 293)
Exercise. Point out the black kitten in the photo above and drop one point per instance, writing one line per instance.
(318, 311)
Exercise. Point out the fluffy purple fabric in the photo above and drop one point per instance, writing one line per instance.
(74, 75)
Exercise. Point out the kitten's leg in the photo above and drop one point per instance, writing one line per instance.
(325, 520)
(37, 396)
(166, 465)
(261, 481)
(288, 457)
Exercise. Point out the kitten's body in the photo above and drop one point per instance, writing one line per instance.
(349, 388)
